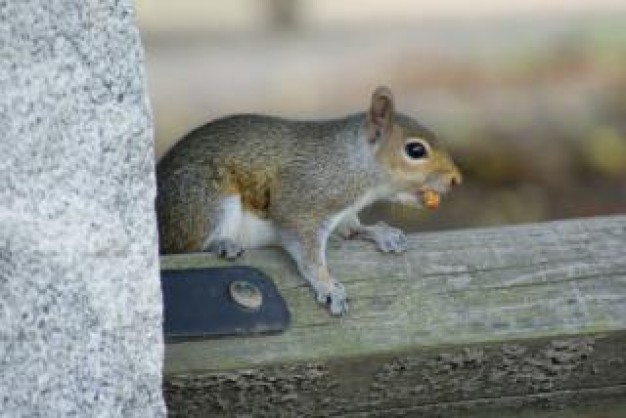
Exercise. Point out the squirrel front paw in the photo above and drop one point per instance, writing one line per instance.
(226, 248)
(333, 295)
(387, 238)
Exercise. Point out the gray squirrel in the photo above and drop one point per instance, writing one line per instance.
(249, 181)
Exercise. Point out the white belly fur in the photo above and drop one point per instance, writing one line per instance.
(241, 226)
(250, 231)
(256, 232)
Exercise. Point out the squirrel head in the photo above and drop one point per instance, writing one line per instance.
(413, 158)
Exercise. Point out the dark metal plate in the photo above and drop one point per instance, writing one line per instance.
(201, 303)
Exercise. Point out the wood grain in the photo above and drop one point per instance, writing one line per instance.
(459, 290)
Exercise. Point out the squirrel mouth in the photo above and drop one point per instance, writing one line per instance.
(430, 198)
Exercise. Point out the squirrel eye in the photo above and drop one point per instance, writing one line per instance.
(415, 150)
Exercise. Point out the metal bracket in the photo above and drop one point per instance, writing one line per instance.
(217, 302)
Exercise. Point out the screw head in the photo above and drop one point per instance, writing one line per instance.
(246, 294)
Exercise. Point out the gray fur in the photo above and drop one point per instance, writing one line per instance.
(305, 176)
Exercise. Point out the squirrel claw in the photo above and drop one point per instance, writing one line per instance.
(338, 307)
(388, 239)
(227, 249)
(334, 296)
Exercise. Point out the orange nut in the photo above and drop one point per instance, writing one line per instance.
(431, 199)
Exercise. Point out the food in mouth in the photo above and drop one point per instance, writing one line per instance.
(431, 199)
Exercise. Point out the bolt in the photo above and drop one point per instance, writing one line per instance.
(246, 294)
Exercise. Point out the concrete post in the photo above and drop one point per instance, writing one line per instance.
(80, 301)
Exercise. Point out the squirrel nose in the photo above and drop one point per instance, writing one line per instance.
(455, 179)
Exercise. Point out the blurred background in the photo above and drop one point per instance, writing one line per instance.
(530, 97)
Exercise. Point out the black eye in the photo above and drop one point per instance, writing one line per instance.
(415, 150)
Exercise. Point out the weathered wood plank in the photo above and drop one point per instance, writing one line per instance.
(482, 289)
(451, 287)
(444, 381)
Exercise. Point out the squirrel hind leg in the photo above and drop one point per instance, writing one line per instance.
(223, 238)
(236, 228)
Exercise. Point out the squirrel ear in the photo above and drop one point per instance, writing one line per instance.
(380, 115)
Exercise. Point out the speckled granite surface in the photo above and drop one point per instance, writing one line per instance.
(80, 302)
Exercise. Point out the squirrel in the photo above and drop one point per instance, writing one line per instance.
(248, 181)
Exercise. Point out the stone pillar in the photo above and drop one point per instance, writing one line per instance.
(80, 301)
